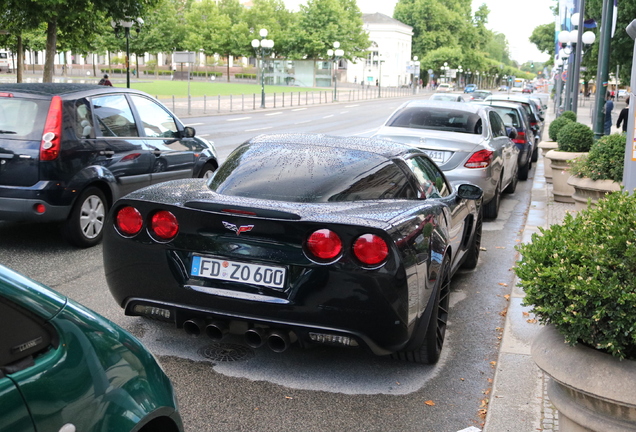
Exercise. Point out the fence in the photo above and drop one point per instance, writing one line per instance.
(208, 105)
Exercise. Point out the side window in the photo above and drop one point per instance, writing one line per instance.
(114, 116)
(155, 120)
(83, 119)
(497, 125)
(429, 176)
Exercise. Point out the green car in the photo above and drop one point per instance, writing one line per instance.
(64, 368)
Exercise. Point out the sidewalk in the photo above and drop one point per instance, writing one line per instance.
(519, 401)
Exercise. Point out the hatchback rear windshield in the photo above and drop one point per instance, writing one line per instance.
(298, 173)
(510, 116)
(22, 118)
(436, 118)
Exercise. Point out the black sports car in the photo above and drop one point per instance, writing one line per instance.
(309, 238)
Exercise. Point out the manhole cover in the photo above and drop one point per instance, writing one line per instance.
(226, 352)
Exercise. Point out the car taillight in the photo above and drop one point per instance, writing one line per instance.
(521, 138)
(131, 157)
(324, 244)
(129, 221)
(52, 135)
(480, 159)
(370, 249)
(164, 225)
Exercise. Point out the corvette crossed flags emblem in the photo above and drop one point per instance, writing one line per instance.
(237, 229)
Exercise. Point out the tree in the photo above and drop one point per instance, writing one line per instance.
(279, 22)
(543, 38)
(78, 18)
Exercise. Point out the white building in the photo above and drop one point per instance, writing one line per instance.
(391, 43)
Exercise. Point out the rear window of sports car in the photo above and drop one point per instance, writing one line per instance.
(297, 173)
(436, 118)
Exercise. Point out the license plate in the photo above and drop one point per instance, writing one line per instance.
(233, 271)
(437, 156)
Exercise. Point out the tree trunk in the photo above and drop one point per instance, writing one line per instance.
(20, 68)
(51, 49)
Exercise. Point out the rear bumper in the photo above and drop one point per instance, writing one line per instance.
(17, 203)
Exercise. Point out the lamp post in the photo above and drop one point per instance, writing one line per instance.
(416, 74)
(264, 45)
(335, 56)
(127, 24)
(380, 60)
(445, 69)
(459, 75)
(603, 68)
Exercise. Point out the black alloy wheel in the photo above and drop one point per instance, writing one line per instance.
(472, 254)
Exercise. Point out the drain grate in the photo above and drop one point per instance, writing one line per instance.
(226, 352)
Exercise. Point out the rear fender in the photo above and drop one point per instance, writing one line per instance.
(91, 176)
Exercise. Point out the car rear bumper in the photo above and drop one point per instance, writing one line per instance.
(18, 203)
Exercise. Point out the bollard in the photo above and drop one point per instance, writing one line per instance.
(219, 105)
(204, 103)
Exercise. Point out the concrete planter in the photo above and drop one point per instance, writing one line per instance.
(586, 188)
(545, 147)
(560, 163)
(593, 391)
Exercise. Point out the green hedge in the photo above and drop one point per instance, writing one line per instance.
(245, 76)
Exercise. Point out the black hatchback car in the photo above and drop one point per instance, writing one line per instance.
(68, 151)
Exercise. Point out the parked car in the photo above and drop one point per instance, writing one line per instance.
(68, 151)
(470, 88)
(528, 88)
(311, 238)
(65, 368)
(535, 117)
(469, 142)
(479, 95)
(447, 97)
(444, 88)
(514, 116)
(503, 88)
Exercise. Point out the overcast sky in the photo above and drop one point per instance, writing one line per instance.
(514, 19)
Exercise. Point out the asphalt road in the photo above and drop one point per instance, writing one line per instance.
(230, 387)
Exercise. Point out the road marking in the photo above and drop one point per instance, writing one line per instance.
(203, 135)
(299, 109)
(195, 124)
(274, 113)
(365, 132)
(351, 106)
(328, 116)
(343, 112)
(306, 121)
(252, 130)
(238, 118)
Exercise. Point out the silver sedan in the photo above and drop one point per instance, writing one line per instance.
(468, 142)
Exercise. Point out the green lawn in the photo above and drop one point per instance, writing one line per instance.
(167, 88)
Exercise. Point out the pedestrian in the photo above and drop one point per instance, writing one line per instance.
(622, 117)
(105, 81)
(376, 82)
(609, 106)
(355, 80)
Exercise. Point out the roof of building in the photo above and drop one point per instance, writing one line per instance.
(380, 18)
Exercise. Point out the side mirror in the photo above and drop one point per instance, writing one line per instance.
(189, 132)
(469, 191)
(511, 132)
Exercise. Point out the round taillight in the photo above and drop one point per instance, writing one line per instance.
(324, 244)
(129, 221)
(164, 225)
(39, 208)
(370, 249)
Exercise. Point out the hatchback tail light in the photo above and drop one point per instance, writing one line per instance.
(480, 159)
(129, 221)
(521, 138)
(164, 225)
(52, 135)
(370, 249)
(324, 244)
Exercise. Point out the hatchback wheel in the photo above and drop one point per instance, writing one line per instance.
(207, 171)
(85, 225)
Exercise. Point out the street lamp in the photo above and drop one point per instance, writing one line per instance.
(459, 77)
(380, 60)
(445, 69)
(335, 57)
(127, 25)
(265, 45)
(416, 74)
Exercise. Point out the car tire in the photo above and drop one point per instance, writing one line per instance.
(85, 224)
(472, 254)
(491, 209)
(207, 170)
(430, 348)
(535, 154)
(524, 170)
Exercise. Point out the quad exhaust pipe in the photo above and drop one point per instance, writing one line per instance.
(255, 337)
